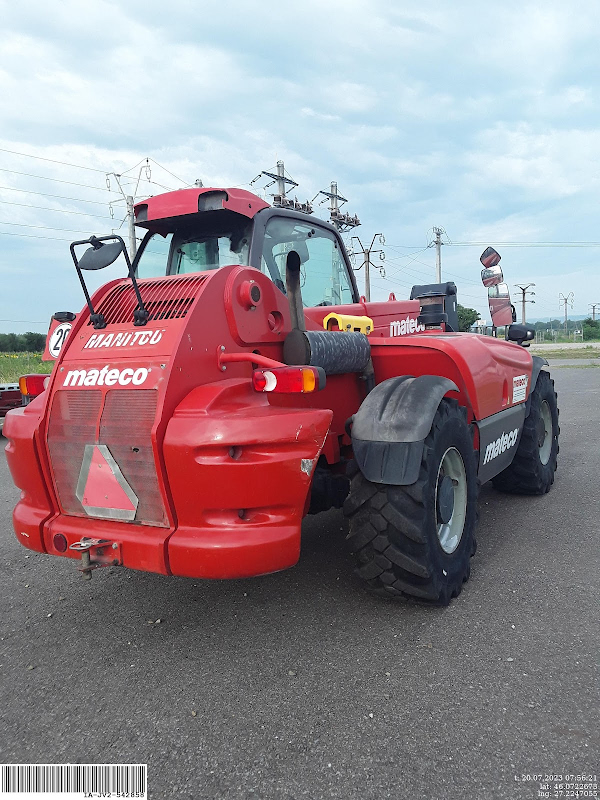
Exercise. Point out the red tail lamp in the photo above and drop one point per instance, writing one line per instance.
(32, 385)
(289, 380)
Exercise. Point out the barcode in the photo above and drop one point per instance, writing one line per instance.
(91, 780)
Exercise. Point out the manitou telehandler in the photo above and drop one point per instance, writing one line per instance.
(235, 381)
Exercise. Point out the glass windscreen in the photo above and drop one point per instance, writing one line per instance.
(324, 275)
(193, 249)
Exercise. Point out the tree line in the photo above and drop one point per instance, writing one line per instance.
(22, 342)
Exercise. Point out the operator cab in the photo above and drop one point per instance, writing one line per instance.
(216, 236)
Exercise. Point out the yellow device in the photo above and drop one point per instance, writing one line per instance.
(345, 322)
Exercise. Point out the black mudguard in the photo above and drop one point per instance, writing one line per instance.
(499, 437)
(390, 427)
(538, 363)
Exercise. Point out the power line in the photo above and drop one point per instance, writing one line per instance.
(57, 196)
(530, 244)
(51, 160)
(58, 210)
(25, 321)
(169, 171)
(31, 236)
(42, 227)
(56, 180)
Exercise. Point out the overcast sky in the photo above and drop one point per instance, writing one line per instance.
(480, 118)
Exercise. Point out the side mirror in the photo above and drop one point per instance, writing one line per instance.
(520, 333)
(100, 254)
(500, 305)
(491, 276)
(489, 258)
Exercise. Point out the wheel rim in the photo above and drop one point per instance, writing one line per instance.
(450, 532)
(545, 434)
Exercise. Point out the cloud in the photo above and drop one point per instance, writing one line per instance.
(482, 119)
(552, 163)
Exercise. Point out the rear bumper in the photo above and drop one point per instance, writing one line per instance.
(238, 474)
(228, 552)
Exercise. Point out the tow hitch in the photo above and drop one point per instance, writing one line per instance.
(96, 553)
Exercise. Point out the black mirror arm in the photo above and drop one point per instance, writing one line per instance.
(97, 319)
(141, 314)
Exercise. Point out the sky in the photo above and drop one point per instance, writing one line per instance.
(478, 118)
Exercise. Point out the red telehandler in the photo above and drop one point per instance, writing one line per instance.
(235, 381)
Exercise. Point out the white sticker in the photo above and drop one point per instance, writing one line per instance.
(106, 377)
(58, 338)
(124, 338)
(520, 388)
(405, 327)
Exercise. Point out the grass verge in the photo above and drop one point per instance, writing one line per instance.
(13, 365)
(582, 352)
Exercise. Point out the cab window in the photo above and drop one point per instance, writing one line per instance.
(155, 256)
(194, 248)
(324, 274)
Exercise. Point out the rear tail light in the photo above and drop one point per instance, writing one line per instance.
(32, 385)
(289, 380)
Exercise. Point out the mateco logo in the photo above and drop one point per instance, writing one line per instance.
(124, 339)
(106, 377)
(404, 327)
(501, 445)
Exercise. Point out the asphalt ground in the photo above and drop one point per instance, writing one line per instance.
(300, 684)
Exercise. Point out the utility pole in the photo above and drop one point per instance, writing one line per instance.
(568, 300)
(131, 226)
(525, 292)
(438, 252)
(366, 254)
(594, 306)
(129, 201)
(343, 222)
(280, 199)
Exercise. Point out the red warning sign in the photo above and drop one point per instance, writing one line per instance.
(102, 488)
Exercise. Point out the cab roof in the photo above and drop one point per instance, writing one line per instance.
(185, 202)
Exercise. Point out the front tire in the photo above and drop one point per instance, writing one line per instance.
(533, 467)
(418, 540)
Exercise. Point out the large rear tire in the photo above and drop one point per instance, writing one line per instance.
(533, 467)
(418, 540)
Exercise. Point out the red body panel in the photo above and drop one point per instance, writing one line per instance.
(482, 367)
(383, 314)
